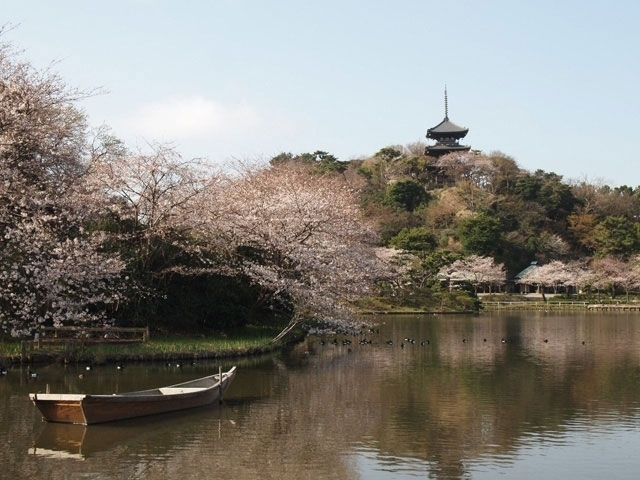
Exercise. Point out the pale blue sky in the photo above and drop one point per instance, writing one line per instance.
(552, 83)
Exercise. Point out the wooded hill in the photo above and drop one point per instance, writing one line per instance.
(485, 204)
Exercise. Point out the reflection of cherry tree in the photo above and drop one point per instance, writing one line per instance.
(479, 271)
(298, 234)
(51, 270)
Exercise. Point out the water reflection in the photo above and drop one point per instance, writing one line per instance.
(59, 440)
(447, 409)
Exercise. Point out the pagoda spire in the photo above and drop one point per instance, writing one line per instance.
(446, 103)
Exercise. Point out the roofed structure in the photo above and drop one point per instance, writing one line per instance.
(446, 134)
(533, 266)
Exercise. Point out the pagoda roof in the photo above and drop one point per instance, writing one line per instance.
(443, 147)
(447, 126)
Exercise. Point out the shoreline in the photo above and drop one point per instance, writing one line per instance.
(98, 356)
(416, 312)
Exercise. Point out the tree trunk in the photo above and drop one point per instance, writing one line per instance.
(290, 326)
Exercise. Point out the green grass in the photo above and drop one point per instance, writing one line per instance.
(9, 348)
(248, 340)
(442, 302)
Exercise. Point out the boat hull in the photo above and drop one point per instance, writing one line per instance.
(92, 409)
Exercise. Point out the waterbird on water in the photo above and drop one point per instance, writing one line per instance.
(3, 372)
(546, 340)
(464, 340)
(32, 374)
(88, 368)
(389, 342)
(503, 340)
(119, 367)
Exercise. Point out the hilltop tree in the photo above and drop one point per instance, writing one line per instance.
(478, 169)
(582, 227)
(548, 190)
(481, 234)
(407, 194)
(616, 236)
(418, 240)
(321, 161)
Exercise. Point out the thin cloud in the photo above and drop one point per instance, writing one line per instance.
(192, 118)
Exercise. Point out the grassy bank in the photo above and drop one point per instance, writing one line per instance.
(443, 303)
(250, 340)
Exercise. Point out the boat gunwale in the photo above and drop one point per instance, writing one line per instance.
(141, 395)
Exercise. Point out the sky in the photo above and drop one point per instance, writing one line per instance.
(553, 84)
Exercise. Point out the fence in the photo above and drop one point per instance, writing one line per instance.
(534, 305)
(78, 337)
(612, 307)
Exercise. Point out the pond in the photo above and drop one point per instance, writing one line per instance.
(518, 395)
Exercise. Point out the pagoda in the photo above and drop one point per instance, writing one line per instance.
(446, 134)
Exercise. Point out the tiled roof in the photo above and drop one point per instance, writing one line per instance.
(526, 271)
(447, 126)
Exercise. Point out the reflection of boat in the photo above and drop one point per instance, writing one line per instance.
(60, 441)
(151, 435)
(88, 409)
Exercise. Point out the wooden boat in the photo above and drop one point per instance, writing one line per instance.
(89, 409)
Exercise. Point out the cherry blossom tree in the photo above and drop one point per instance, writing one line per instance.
(479, 271)
(156, 192)
(553, 274)
(580, 275)
(476, 168)
(51, 269)
(297, 234)
(558, 274)
(612, 272)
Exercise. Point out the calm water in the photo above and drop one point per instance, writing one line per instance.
(450, 409)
